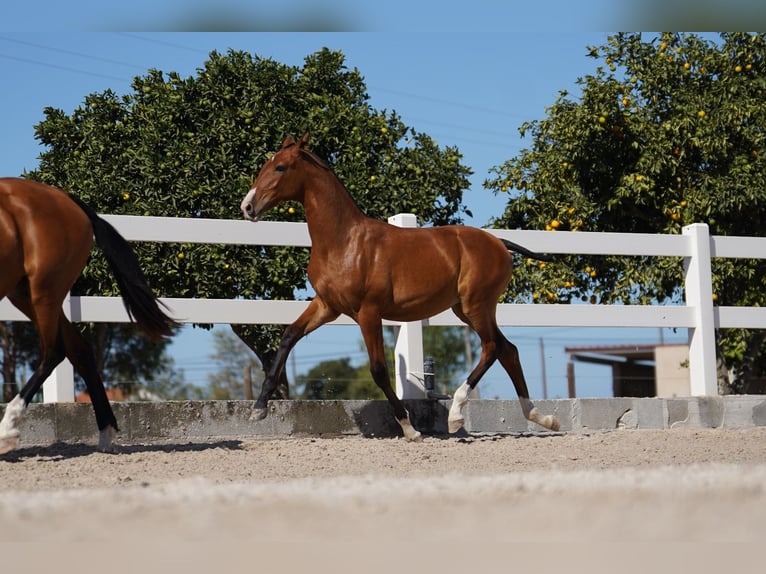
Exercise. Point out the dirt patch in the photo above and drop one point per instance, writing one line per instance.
(468, 503)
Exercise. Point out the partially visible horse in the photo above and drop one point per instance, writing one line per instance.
(370, 271)
(46, 236)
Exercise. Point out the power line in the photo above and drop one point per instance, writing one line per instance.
(431, 99)
(62, 68)
(177, 45)
(71, 53)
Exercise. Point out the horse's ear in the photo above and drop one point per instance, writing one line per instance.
(289, 140)
(304, 141)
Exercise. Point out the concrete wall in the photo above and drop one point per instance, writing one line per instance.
(202, 420)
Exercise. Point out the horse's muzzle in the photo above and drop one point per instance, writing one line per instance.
(247, 206)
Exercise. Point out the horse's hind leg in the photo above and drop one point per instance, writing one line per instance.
(493, 346)
(52, 353)
(456, 418)
(81, 356)
(509, 358)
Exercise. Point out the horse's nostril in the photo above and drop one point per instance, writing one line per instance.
(249, 208)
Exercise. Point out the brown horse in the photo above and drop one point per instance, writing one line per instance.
(370, 271)
(45, 239)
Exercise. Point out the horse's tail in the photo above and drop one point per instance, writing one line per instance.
(139, 300)
(511, 246)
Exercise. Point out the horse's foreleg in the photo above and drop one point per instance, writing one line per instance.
(372, 332)
(316, 315)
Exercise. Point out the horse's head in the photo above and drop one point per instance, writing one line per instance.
(279, 179)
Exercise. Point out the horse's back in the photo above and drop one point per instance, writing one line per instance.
(433, 268)
(43, 225)
(457, 244)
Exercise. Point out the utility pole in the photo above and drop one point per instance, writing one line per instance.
(542, 368)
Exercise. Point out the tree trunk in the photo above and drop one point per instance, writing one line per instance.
(753, 382)
(10, 387)
(248, 382)
(266, 359)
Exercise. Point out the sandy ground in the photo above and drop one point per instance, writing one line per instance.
(630, 501)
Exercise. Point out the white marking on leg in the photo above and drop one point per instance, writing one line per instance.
(9, 426)
(456, 418)
(532, 414)
(410, 434)
(105, 437)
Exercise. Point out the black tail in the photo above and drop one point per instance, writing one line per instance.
(140, 302)
(511, 246)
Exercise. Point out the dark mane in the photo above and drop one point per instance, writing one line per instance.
(319, 162)
(314, 158)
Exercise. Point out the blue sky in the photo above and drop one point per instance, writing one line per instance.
(466, 89)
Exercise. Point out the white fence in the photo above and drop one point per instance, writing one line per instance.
(698, 314)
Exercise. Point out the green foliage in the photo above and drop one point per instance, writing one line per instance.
(455, 351)
(134, 364)
(232, 358)
(191, 147)
(19, 355)
(669, 131)
(336, 380)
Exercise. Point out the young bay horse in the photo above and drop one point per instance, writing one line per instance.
(45, 238)
(370, 271)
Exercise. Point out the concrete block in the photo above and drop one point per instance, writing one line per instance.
(315, 417)
(759, 412)
(75, 422)
(202, 420)
(744, 411)
(600, 414)
(147, 421)
(650, 413)
(375, 419)
(677, 412)
(701, 412)
(494, 416)
(38, 424)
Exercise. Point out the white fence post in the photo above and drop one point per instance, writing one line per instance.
(408, 352)
(59, 386)
(699, 296)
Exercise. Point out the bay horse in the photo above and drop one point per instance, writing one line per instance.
(46, 236)
(371, 270)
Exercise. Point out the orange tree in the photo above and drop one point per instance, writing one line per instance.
(191, 146)
(669, 130)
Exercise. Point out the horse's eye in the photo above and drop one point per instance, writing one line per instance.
(280, 168)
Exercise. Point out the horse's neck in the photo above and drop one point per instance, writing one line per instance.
(331, 213)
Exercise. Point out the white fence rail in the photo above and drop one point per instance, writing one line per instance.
(698, 314)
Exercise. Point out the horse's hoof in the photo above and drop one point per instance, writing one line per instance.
(258, 414)
(455, 424)
(105, 437)
(411, 434)
(9, 443)
(414, 437)
(552, 423)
